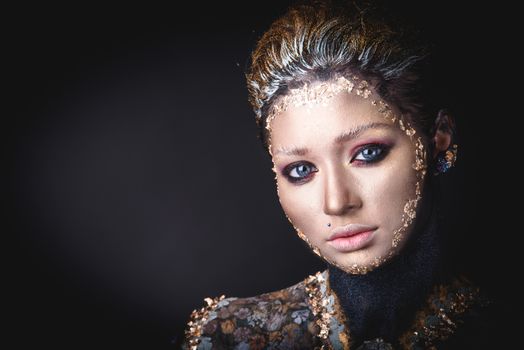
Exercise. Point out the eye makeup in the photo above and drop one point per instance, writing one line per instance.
(370, 153)
(299, 172)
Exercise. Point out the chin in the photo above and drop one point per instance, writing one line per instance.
(363, 265)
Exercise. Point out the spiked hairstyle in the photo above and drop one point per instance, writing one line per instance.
(318, 40)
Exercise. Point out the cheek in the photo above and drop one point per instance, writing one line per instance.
(392, 187)
(299, 203)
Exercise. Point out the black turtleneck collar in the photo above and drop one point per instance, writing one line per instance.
(383, 302)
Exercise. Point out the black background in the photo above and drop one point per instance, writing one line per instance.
(138, 186)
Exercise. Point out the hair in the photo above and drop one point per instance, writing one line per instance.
(319, 40)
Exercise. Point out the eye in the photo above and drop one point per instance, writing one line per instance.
(297, 172)
(371, 153)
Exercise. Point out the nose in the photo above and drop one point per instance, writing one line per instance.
(340, 192)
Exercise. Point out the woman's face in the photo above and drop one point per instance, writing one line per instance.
(345, 178)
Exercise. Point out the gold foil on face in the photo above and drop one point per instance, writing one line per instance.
(313, 94)
(320, 93)
(363, 89)
(309, 95)
(419, 166)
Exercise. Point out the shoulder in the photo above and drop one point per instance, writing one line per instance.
(280, 319)
(481, 320)
(453, 315)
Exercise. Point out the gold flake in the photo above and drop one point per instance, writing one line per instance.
(197, 320)
(327, 311)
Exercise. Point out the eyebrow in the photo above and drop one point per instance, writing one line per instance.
(344, 137)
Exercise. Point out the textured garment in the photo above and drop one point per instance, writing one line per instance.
(308, 315)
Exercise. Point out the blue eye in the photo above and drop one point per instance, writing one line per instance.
(371, 153)
(299, 171)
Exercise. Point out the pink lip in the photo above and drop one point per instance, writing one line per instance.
(351, 237)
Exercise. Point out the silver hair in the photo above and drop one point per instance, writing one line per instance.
(318, 41)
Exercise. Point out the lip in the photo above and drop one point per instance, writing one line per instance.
(351, 237)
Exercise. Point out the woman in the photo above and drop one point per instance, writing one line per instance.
(355, 150)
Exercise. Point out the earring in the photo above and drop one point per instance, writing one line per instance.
(446, 160)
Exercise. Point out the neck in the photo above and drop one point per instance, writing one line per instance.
(382, 303)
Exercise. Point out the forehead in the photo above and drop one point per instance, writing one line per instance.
(325, 119)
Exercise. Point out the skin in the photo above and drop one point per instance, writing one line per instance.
(341, 185)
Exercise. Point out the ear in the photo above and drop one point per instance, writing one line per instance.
(443, 132)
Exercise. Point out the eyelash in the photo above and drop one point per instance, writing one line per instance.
(297, 180)
(382, 148)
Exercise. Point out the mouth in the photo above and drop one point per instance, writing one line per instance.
(351, 237)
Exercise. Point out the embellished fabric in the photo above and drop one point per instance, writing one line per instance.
(308, 315)
(277, 320)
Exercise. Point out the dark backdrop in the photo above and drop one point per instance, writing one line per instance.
(139, 187)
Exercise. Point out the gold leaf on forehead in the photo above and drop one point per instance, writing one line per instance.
(309, 95)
